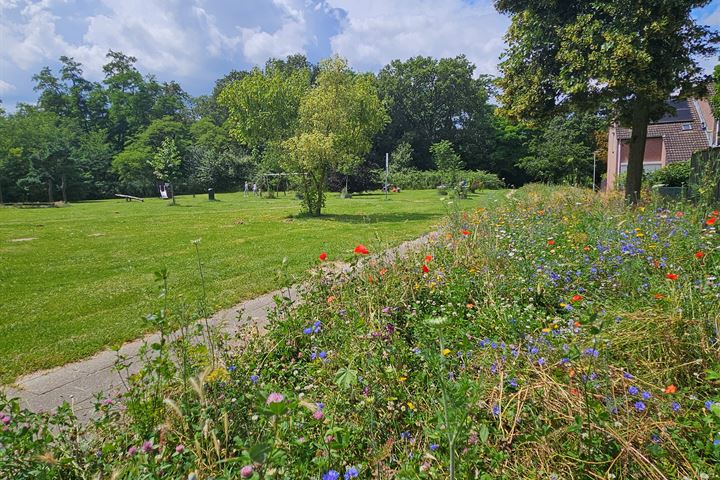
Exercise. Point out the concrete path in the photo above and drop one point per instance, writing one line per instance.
(77, 383)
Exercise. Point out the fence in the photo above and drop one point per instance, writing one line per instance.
(704, 184)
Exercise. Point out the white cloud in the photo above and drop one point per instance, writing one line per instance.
(377, 31)
(6, 87)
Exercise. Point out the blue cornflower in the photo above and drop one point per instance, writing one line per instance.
(232, 368)
(254, 378)
(331, 475)
(640, 406)
(646, 395)
(534, 350)
(320, 405)
(655, 438)
(716, 442)
(708, 404)
(591, 352)
(405, 435)
(313, 356)
(322, 355)
(541, 361)
(633, 390)
(308, 331)
(351, 472)
(496, 410)
(628, 376)
(675, 406)
(513, 383)
(564, 360)
(434, 446)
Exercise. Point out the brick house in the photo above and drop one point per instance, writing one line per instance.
(673, 138)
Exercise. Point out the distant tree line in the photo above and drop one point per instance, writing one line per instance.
(124, 134)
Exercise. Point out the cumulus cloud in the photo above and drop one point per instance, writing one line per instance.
(377, 31)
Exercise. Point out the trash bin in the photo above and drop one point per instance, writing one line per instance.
(211, 194)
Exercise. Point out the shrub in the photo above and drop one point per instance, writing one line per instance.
(428, 180)
(674, 174)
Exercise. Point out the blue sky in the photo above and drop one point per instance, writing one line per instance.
(197, 41)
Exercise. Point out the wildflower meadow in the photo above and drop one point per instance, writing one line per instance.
(556, 335)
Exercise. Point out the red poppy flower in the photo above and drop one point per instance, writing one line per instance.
(465, 232)
(670, 389)
(428, 258)
(716, 213)
(425, 269)
(711, 221)
(679, 214)
(671, 276)
(361, 250)
(551, 242)
(659, 296)
(699, 254)
(383, 271)
(323, 256)
(577, 298)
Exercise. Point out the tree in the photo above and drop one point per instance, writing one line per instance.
(623, 56)
(444, 156)
(565, 150)
(263, 107)
(166, 164)
(337, 121)
(430, 100)
(401, 159)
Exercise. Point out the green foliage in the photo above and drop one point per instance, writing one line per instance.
(565, 150)
(337, 121)
(675, 174)
(430, 100)
(444, 156)
(621, 56)
(401, 158)
(430, 179)
(543, 336)
(263, 107)
(166, 161)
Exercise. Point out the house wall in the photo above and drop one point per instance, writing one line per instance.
(709, 119)
(619, 151)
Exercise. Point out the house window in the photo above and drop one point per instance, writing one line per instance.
(647, 166)
(686, 127)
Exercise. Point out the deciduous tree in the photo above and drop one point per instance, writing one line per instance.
(624, 56)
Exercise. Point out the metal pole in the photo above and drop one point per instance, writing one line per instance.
(387, 173)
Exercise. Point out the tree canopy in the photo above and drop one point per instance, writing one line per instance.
(621, 57)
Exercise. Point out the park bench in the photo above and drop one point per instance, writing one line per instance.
(129, 198)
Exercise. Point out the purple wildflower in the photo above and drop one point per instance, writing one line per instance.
(633, 390)
(646, 395)
(275, 397)
(434, 446)
(640, 406)
(331, 475)
(351, 472)
(675, 406)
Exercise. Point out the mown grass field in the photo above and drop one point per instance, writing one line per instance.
(80, 278)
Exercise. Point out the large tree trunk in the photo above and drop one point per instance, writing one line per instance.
(64, 189)
(51, 187)
(172, 193)
(638, 138)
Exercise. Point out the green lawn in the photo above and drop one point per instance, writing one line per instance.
(86, 279)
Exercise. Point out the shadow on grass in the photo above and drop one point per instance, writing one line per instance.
(370, 218)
